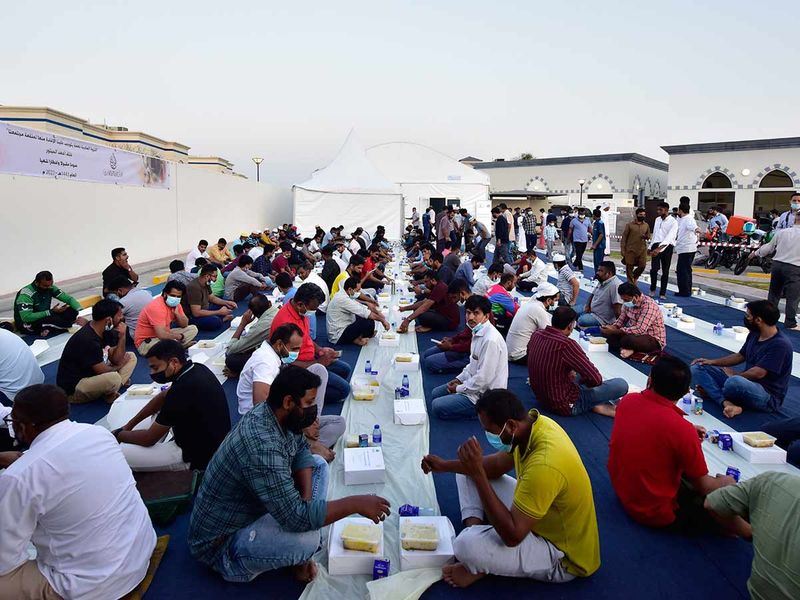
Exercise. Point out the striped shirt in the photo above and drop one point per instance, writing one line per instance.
(643, 319)
(553, 361)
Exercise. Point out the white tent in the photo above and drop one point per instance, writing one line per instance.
(424, 173)
(351, 192)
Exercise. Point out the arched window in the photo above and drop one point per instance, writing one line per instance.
(717, 181)
(776, 179)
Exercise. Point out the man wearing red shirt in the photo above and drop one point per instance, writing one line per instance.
(563, 379)
(280, 264)
(439, 310)
(305, 301)
(372, 275)
(652, 447)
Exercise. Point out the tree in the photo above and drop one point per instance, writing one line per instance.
(526, 156)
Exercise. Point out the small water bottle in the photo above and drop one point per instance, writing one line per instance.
(718, 328)
(687, 403)
(368, 367)
(698, 405)
(406, 383)
(377, 437)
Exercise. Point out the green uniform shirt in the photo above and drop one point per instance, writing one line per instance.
(33, 304)
(771, 503)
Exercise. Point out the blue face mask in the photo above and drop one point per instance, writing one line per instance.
(496, 443)
(629, 304)
(477, 328)
(287, 360)
(172, 301)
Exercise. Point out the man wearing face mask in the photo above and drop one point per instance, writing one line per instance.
(73, 498)
(156, 319)
(767, 356)
(579, 234)
(348, 320)
(485, 282)
(530, 318)
(487, 368)
(262, 502)
(633, 246)
(785, 273)
(438, 310)
(85, 372)
(640, 325)
(541, 525)
(194, 409)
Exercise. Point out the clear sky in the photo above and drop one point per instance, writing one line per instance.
(288, 80)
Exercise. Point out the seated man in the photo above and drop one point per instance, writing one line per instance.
(307, 274)
(119, 267)
(541, 525)
(244, 343)
(604, 305)
(446, 272)
(439, 310)
(18, 367)
(285, 285)
(466, 270)
(280, 263)
(263, 264)
(568, 283)
(83, 371)
(562, 377)
(239, 250)
(372, 275)
(262, 501)
(653, 447)
(243, 281)
(156, 319)
(307, 298)
(180, 272)
(531, 317)
(504, 305)
(198, 299)
(262, 369)
(535, 274)
(199, 252)
(73, 497)
(218, 253)
(769, 503)
(640, 325)
(33, 310)
(767, 357)
(194, 408)
(448, 355)
(330, 267)
(487, 368)
(350, 321)
(133, 300)
(487, 281)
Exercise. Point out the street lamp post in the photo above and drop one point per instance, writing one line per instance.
(258, 160)
(581, 182)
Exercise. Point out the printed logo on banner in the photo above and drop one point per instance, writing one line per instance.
(112, 172)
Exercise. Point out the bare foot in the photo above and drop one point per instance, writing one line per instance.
(605, 409)
(321, 450)
(360, 341)
(227, 318)
(458, 576)
(625, 353)
(730, 410)
(44, 333)
(306, 572)
(109, 398)
(81, 321)
(419, 329)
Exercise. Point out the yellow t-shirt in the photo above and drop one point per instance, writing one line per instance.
(553, 487)
(340, 279)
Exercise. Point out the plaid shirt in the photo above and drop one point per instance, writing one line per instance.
(529, 224)
(250, 476)
(643, 319)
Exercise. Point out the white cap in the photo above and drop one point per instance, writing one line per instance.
(545, 289)
(559, 258)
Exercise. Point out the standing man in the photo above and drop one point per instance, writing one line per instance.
(598, 238)
(483, 235)
(33, 310)
(512, 227)
(426, 225)
(443, 227)
(502, 236)
(686, 247)
(718, 220)
(579, 235)
(566, 222)
(787, 219)
(634, 246)
(432, 220)
(119, 266)
(414, 218)
(529, 227)
(785, 280)
(662, 246)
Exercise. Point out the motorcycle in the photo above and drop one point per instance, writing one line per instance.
(750, 259)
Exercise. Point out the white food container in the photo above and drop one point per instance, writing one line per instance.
(364, 465)
(410, 411)
(342, 561)
(406, 366)
(420, 559)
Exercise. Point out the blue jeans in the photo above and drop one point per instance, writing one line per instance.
(264, 545)
(441, 361)
(586, 319)
(338, 387)
(608, 391)
(447, 406)
(210, 323)
(742, 392)
(598, 256)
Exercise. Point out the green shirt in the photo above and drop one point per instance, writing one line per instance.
(258, 334)
(33, 304)
(218, 286)
(771, 503)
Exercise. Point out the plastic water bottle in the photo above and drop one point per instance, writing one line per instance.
(409, 510)
(377, 437)
(687, 403)
(368, 367)
(406, 383)
(718, 328)
(698, 405)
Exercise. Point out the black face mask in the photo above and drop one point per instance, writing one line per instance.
(300, 419)
(750, 325)
(161, 376)
(640, 219)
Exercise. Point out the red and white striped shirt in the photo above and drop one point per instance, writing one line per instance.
(553, 361)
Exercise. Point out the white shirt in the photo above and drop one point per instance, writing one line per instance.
(262, 367)
(132, 304)
(537, 273)
(482, 285)
(73, 496)
(320, 283)
(785, 244)
(193, 255)
(488, 364)
(531, 317)
(18, 366)
(354, 246)
(342, 263)
(342, 311)
(664, 232)
(686, 237)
